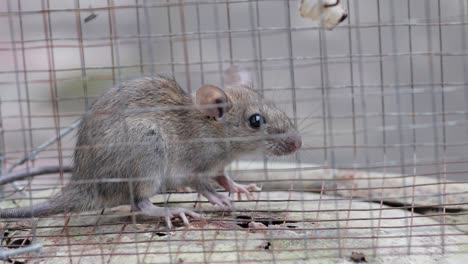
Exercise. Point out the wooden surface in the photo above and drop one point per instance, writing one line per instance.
(279, 226)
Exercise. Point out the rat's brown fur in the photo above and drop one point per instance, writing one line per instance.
(146, 137)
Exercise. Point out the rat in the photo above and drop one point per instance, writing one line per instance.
(148, 136)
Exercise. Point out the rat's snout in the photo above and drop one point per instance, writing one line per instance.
(284, 144)
(294, 141)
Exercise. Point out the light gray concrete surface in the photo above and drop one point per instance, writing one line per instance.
(300, 232)
(321, 216)
(407, 88)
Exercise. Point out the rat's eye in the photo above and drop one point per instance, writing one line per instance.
(256, 120)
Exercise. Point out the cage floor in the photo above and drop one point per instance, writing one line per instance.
(292, 227)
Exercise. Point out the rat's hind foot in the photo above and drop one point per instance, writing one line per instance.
(147, 208)
(232, 187)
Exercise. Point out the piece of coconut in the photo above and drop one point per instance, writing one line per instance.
(329, 13)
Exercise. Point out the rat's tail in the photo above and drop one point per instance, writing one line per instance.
(38, 210)
(65, 202)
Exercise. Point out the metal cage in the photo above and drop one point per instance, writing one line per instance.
(381, 102)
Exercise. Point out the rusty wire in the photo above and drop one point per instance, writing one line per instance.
(397, 121)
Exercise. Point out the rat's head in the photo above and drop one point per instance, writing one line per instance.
(249, 122)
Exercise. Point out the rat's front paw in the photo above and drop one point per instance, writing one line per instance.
(217, 199)
(233, 187)
(246, 189)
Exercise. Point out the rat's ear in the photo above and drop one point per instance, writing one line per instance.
(212, 101)
(235, 75)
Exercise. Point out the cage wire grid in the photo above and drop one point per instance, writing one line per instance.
(380, 101)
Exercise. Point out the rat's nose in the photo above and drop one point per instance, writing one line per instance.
(343, 17)
(295, 141)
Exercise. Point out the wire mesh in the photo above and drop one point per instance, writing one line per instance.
(381, 103)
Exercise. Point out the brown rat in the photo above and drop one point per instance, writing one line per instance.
(148, 136)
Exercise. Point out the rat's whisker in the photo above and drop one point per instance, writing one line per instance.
(313, 111)
(309, 125)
